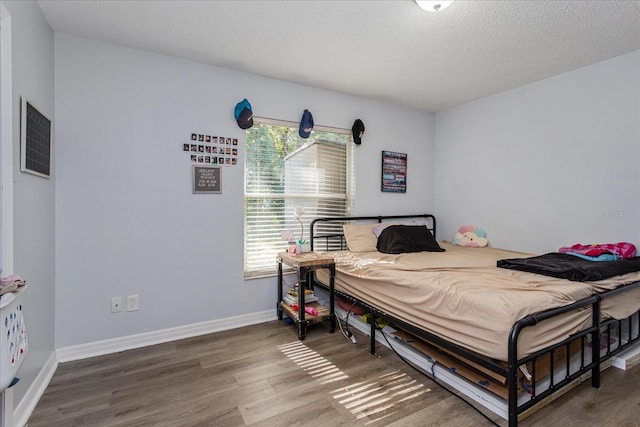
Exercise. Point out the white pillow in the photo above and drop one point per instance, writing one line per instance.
(360, 237)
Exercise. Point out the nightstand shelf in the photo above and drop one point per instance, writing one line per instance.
(323, 312)
(304, 265)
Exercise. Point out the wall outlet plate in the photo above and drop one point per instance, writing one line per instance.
(132, 303)
(116, 304)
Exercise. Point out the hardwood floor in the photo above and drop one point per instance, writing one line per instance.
(263, 376)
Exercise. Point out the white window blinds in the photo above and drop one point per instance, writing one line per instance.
(284, 171)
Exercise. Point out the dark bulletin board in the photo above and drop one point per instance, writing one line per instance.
(207, 179)
(394, 172)
(35, 141)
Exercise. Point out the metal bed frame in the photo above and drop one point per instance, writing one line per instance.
(328, 233)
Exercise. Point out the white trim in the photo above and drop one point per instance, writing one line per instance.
(24, 409)
(6, 143)
(99, 348)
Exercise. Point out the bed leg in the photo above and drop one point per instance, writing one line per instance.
(512, 367)
(595, 345)
(512, 404)
(372, 344)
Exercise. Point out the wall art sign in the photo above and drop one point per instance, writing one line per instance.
(35, 140)
(207, 179)
(394, 172)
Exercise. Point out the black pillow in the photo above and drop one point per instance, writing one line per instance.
(398, 239)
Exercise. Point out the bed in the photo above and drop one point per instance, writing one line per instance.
(498, 320)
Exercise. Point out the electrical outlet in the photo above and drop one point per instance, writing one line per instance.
(116, 304)
(132, 303)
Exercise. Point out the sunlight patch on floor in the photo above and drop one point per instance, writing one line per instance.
(375, 399)
(311, 362)
(379, 397)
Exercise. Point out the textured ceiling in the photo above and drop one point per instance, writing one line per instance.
(388, 50)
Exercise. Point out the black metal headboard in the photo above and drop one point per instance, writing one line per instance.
(327, 235)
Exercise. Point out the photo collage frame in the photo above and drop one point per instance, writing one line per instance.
(212, 150)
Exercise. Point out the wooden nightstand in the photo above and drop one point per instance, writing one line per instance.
(305, 264)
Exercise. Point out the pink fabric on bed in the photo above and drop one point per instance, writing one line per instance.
(621, 249)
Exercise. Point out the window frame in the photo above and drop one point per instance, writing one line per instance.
(349, 197)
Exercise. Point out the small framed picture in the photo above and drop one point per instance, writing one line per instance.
(207, 179)
(35, 140)
(394, 172)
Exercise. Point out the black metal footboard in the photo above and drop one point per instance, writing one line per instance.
(584, 351)
(590, 359)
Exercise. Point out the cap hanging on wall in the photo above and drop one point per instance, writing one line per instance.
(244, 114)
(306, 124)
(357, 130)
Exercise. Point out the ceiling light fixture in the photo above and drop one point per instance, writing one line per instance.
(434, 5)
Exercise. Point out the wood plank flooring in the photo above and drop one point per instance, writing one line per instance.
(263, 376)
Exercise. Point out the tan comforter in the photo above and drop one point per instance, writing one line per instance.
(461, 295)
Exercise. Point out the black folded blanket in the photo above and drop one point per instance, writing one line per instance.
(571, 267)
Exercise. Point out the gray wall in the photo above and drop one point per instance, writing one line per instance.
(127, 222)
(34, 197)
(549, 164)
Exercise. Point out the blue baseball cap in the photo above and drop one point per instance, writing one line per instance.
(244, 114)
(306, 124)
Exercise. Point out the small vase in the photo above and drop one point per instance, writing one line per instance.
(304, 247)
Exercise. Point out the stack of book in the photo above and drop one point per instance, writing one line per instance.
(291, 296)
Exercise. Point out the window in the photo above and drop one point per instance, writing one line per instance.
(284, 171)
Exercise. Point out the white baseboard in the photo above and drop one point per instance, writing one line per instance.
(23, 410)
(99, 348)
(28, 403)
